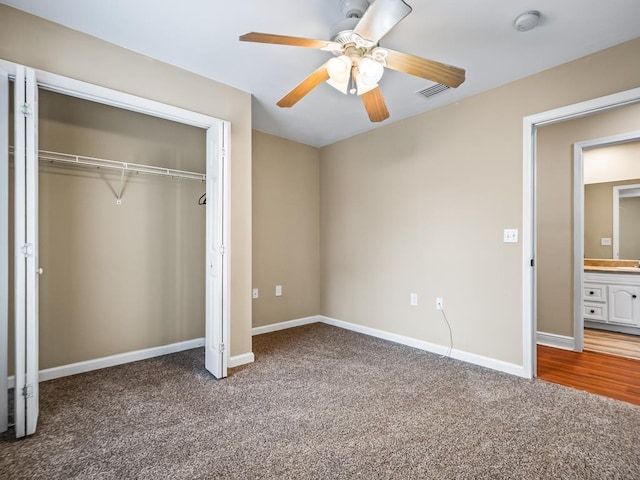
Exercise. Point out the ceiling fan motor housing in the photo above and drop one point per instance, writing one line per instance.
(341, 31)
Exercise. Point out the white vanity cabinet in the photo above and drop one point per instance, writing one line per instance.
(624, 304)
(612, 299)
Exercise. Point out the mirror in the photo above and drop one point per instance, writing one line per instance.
(612, 202)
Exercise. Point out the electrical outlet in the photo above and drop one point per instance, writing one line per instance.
(278, 290)
(414, 299)
(255, 293)
(439, 303)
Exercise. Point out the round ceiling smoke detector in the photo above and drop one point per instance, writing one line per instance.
(527, 21)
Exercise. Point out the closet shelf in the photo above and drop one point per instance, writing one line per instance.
(69, 159)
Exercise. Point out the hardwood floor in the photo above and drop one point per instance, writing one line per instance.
(613, 343)
(599, 373)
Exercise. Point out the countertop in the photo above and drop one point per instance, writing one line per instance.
(634, 270)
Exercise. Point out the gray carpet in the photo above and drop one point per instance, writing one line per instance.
(321, 403)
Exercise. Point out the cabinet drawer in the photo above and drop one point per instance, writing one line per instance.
(595, 311)
(595, 293)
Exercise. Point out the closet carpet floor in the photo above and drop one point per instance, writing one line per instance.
(322, 403)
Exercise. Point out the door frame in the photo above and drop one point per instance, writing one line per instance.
(531, 123)
(578, 223)
(213, 126)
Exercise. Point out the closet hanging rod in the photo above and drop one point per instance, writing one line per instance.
(70, 159)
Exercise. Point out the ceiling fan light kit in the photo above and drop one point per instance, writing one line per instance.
(359, 62)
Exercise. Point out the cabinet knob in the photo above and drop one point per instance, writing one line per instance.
(593, 311)
(591, 293)
(634, 296)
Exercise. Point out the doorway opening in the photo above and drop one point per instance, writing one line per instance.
(531, 125)
(606, 245)
(122, 177)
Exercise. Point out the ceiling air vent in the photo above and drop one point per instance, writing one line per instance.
(432, 90)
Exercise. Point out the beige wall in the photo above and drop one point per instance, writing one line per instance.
(286, 238)
(41, 44)
(555, 208)
(598, 218)
(630, 228)
(420, 205)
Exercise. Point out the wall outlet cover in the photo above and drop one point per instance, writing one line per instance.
(605, 242)
(278, 290)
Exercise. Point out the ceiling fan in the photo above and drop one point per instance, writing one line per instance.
(359, 61)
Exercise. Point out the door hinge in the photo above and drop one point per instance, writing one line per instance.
(27, 250)
(221, 347)
(26, 109)
(27, 391)
(532, 263)
(221, 250)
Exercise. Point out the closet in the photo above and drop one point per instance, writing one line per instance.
(129, 236)
(122, 252)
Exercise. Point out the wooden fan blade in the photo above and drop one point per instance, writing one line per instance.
(380, 17)
(421, 67)
(374, 103)
(308, 84)
(293, 41)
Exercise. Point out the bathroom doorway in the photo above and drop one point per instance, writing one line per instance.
(607, 211)
(560, 233)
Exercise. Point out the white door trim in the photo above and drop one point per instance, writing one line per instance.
(578, 223)
(530, 126)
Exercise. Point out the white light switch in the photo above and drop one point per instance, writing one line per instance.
(510, 235)
(255, 293)
(414, 299)
(605, 242)
(278, 290)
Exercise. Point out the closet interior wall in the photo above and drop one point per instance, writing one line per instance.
(117, 277)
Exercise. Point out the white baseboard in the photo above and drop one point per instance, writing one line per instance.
(557, 341)
(113, 360)
(243, 359)
(274, 327)
(487, 362)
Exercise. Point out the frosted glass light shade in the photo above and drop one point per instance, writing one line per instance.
(339, 68)
(370, 71)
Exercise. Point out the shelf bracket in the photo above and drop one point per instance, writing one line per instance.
(122, 182)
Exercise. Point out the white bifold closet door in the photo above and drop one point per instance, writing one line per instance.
(27, 268)
(215, 357)
(4, 248)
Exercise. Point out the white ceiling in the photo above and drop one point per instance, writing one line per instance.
(202, 36)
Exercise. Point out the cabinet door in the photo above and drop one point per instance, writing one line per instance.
(624, 305)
